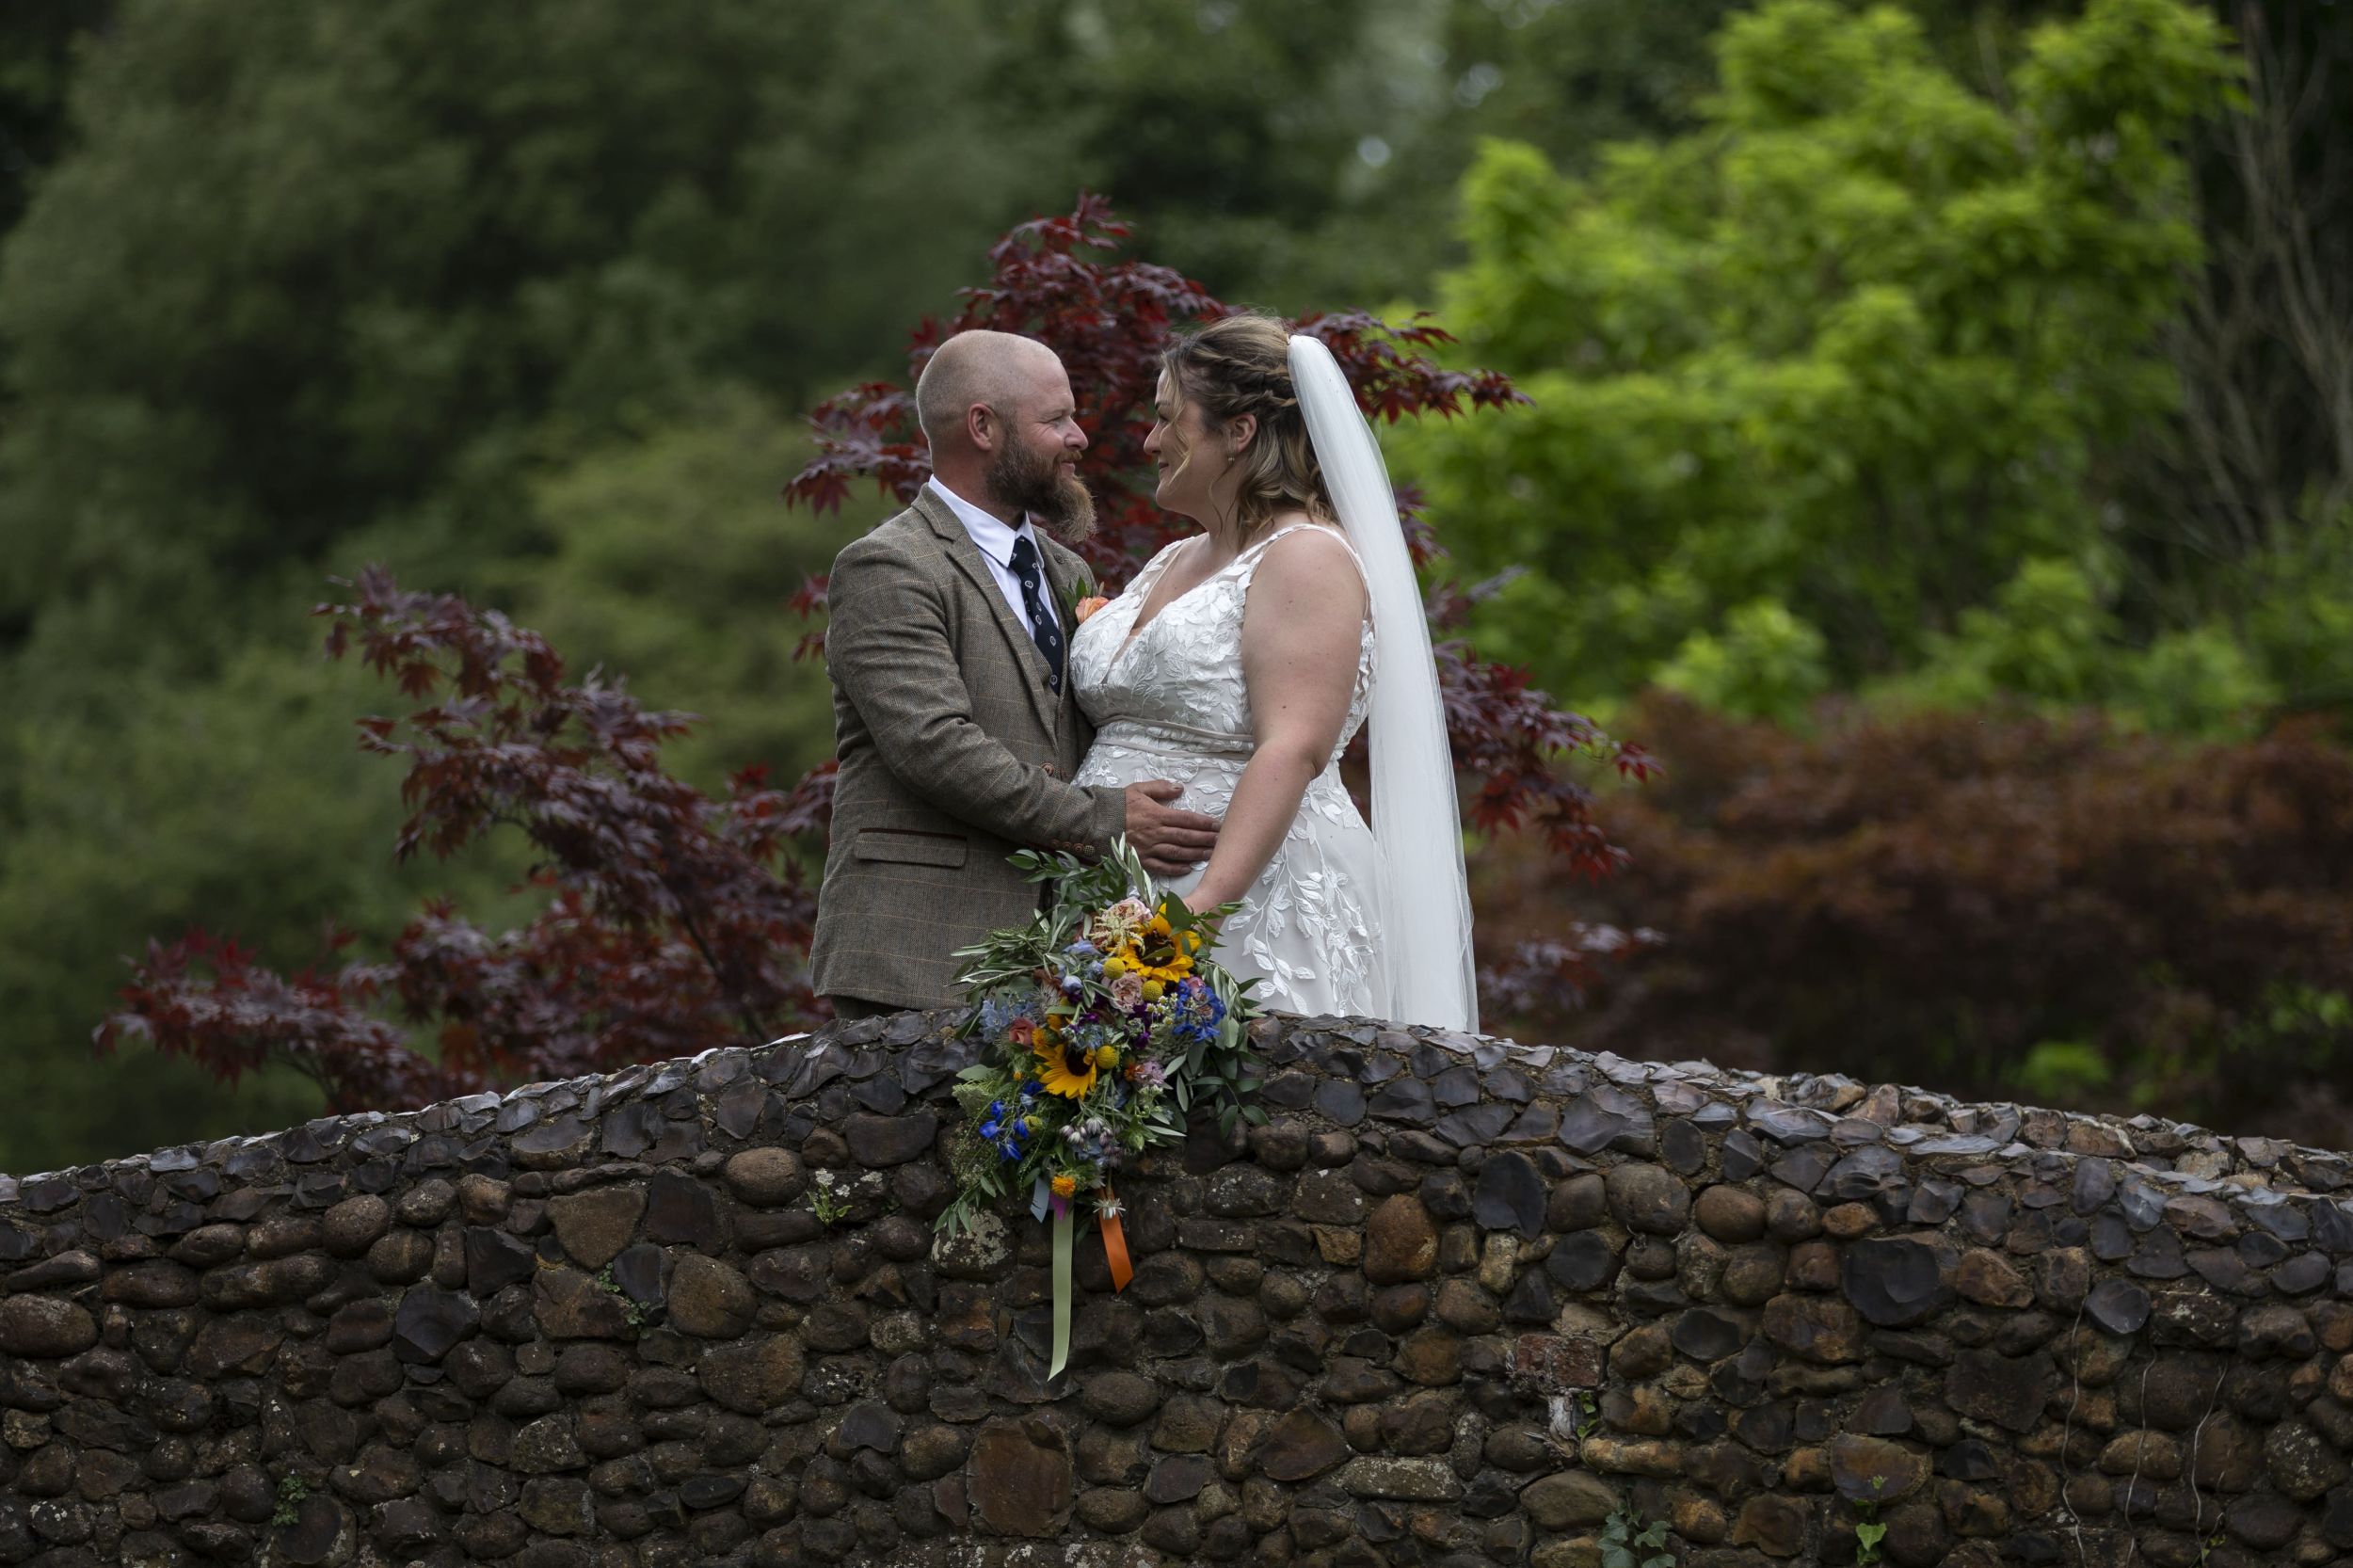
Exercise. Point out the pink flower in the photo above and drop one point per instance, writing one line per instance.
(1128, 991)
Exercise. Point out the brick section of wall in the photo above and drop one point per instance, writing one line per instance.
(1461, 1302)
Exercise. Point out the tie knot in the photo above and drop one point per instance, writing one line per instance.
(1024, 553)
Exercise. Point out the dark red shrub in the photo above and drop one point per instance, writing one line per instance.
(1929, 900)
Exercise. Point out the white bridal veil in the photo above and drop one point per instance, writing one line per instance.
(1432, 979)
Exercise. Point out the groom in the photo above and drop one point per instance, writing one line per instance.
(955, 722)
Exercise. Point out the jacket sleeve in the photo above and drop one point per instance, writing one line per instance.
(888, 647)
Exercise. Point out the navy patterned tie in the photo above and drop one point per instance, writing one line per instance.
(1042, 627)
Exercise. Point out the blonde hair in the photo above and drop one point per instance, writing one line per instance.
(1241, 364)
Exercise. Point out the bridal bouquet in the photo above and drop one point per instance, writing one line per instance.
(1104, 1027)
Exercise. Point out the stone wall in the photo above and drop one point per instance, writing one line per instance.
(1460, 1302)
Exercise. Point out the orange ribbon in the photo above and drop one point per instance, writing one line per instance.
(1115, 1242)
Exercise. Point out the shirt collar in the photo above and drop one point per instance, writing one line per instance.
(991, 533)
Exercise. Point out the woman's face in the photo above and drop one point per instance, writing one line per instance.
(1188, 458)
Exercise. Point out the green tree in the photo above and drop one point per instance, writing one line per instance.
(1856, 345)
(328, 279)
(38, 43)
(672, 560)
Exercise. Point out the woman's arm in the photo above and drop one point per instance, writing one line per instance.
(1300, 631)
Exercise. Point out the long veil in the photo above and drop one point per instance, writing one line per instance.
(1416, 821)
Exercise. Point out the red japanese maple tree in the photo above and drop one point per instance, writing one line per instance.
(676, 921)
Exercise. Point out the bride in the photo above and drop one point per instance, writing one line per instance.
(1241, 661)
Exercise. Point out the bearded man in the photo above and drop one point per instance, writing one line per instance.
(955, 722)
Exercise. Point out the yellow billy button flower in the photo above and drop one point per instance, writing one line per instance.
(1107, 1057)
(1114, 966)
(1152, 989)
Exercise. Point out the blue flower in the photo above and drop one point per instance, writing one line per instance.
(1081, 949)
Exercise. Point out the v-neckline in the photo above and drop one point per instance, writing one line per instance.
(1137, 628)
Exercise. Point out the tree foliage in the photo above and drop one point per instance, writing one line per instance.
(326, 278)
(2006, 906)
(674, 920)
(1852, 348)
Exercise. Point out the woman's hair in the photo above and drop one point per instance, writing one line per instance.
(1241, 364)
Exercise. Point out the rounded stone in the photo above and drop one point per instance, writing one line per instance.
(401, 1256)
(1400, 1307)
(1649, 1198)
(2300, 1462)
(44, 1327)
(1581, 1261)
(1871, 1469)
(1568, 1499)
(709, 1298)
(352, 1227)
(1120, 1398)
(1753, 1274)
(1729, 1214)
(1400, 1242)
(1791, 1216)
(1579, 1202)
(765, 1177)
(1112, 1510)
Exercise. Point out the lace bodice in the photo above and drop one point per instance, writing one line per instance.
(1181, 675)
(1170, 702)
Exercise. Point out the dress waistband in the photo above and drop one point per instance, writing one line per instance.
(1178, 740)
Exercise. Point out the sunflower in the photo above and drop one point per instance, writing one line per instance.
(1066, 1067)
(1164, 953)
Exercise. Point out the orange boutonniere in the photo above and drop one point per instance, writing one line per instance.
(1087, 606)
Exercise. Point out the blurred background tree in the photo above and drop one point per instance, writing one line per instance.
(1886, 359)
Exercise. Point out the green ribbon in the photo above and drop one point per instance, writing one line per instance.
(1062, 1287)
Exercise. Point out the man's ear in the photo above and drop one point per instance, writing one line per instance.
(981, 426)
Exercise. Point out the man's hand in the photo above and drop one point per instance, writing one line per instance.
(1170, 842)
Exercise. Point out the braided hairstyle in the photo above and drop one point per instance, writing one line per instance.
(1241, 364)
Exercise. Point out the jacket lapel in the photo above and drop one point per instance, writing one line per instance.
(969, 558)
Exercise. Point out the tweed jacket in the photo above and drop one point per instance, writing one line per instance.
(953, 752)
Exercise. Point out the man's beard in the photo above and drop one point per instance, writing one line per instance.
(1062, 505)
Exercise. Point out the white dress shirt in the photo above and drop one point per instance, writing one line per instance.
(995, 541)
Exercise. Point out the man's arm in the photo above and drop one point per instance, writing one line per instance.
(887, 647)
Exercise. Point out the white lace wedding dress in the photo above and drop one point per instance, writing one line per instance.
(1168, 702)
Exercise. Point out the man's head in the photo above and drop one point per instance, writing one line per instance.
(1003, 429)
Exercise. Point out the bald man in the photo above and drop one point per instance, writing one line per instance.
(953, 719)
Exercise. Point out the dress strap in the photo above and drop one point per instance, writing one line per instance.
(1340, 538)
(1288, 528)
(1152, 568)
